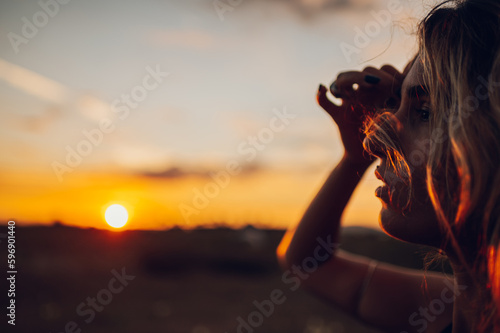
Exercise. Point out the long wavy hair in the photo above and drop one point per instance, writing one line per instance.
(459, 48)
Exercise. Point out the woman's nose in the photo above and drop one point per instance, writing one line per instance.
(398, 120)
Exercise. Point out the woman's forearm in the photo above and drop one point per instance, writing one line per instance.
(322, 218)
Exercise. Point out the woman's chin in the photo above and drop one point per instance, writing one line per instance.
(409, 228)
(390, 222)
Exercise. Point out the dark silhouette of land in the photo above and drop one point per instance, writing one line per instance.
(199, 281)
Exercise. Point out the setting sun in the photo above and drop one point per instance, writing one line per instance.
(116, 216)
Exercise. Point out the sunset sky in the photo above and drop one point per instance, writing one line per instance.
(184, 113)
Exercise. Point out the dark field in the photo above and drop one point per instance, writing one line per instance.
(176, 281)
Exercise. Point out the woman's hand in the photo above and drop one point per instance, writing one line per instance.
(376, 89)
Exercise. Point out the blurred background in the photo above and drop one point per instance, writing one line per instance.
(188, 115)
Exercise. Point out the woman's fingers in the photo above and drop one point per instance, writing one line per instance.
(348, 84)
(372, 87)
(397, 80)
(344, 84)
(324, 101)
(393, 72)
(390, 76)
(388, 90)
(365, 87)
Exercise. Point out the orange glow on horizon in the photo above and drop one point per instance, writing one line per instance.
(264, 198)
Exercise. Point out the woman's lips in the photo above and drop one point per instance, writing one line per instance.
(382, 192)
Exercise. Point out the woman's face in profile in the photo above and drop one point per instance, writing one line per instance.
(417, 222)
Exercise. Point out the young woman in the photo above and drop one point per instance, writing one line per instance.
(435, 129)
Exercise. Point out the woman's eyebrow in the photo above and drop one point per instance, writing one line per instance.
(417, 91)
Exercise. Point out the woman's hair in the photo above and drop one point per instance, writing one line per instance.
(459, 50)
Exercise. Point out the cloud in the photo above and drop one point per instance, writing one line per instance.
(46, 89)
(40, 123)
(193, 39)
(33, 83)
(93, 107)
(176, 172)
(311, 9)
(173, 173)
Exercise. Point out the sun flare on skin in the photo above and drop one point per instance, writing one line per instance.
(116, 216)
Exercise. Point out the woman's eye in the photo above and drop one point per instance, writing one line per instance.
(424, 114)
